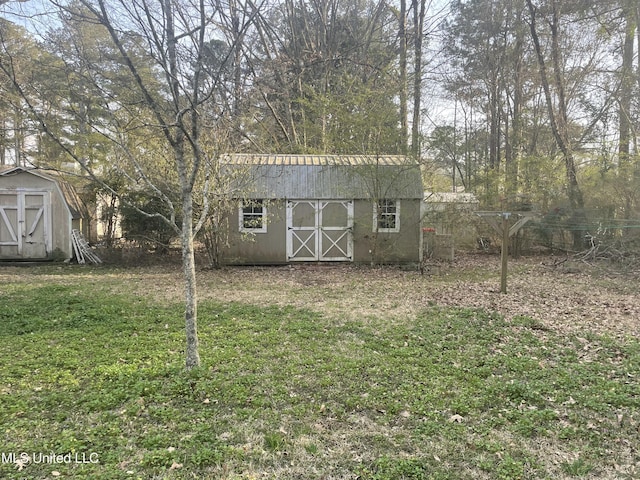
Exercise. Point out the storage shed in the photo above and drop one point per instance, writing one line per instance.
(38, 212)
(324, 208)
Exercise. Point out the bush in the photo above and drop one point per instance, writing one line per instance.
(151, 232)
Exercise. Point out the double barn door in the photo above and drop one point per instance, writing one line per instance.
(25, 231)
(320, 230)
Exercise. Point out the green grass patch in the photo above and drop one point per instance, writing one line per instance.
(98, 380)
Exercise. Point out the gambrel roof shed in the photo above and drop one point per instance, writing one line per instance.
(38, 212)
(324, 208)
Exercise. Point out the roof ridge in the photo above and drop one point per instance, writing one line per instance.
(311, 159)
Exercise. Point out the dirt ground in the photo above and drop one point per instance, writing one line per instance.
(570, 297)
(566, 296)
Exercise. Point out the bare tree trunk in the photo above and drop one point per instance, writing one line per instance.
(494, 125)
(111, 218)
(419, 11)
(238, 35)
(626, 87)
(190, 285)
(515, 140)
(637, 127)
(624, 110)
(186, 176)
(404, 116)
(637, 13)
(3, 144)
(18, 137)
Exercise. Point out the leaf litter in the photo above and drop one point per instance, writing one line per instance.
(566, 300)
(574, 298)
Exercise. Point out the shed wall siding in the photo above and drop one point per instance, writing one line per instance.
(271, 247)
(259, 248)
(400, 247)
(61, 224)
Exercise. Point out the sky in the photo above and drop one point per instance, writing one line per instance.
(31, 14)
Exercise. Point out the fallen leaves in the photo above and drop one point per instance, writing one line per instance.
(21, 463)
(565, 303)
(585, 299)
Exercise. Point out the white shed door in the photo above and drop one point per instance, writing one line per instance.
(24, 225)
(320, 230)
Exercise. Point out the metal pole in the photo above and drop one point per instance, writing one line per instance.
(504, 251)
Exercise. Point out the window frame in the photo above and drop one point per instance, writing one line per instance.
(384, 204)
(243, 215)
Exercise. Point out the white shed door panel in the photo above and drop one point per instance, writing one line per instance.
(24, 225)
(9, 232)
(35, 229)
(319, 230)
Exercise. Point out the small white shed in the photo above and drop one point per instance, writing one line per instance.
(38, 212)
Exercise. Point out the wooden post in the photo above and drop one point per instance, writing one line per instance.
(506, 233)
(504, 251)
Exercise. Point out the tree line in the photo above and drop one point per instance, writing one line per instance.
(546, 102)
(545, 93)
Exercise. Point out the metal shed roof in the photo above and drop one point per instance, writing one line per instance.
(314, 160)
(324, 176)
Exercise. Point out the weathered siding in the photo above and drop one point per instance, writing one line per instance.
(396, 247)
(271, 247)
(259, 248)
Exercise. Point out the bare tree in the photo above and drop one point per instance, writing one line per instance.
(404, 94)
(558, 113)
(553, 84)
(170, 88)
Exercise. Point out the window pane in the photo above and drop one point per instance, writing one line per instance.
(387, 221)
(254, 206)
(387, 214)
(252, 215)
(252, 221)
(388, 206)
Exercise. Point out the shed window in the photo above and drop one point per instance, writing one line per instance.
(386, 216)
(253, 216)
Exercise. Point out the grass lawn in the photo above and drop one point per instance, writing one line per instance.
(92, 385)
